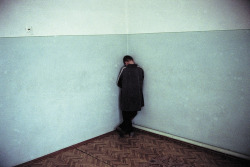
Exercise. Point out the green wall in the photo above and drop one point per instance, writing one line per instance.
(197, 85)
(56, 92)
(59, 91)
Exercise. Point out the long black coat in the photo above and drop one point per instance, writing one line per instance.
(130, 80)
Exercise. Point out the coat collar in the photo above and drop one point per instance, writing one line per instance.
(131, 65)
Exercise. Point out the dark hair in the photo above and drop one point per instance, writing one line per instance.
(127, 58)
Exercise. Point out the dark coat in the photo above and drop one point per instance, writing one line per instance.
(130, 80)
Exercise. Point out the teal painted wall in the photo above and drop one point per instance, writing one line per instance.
(56, 92)
(52, 94)
(197, 85)
(59, 91)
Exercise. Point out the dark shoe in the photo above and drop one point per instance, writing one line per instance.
(120, 132)
(131, 134)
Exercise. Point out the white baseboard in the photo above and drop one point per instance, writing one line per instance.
(194, 142)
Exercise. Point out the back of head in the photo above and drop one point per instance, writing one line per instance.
(127, 58)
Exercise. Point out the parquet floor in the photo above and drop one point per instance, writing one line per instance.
(143, 150)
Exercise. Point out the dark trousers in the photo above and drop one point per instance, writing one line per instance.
(126, 125)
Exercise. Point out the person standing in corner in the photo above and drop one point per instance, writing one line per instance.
(130, 80)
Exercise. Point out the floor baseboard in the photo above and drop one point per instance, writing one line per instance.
(235, 154)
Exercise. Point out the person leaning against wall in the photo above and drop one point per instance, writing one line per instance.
(130, 81)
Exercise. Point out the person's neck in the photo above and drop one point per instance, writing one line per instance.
(131, 62)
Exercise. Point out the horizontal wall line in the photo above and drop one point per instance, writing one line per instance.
(73, 35)
(194, 142)
(187, 31)
(56, 35)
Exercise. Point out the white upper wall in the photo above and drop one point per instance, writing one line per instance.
(149, 16)
(93, 17)
(58, 17)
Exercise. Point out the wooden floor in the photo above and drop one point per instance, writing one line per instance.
(143, 150)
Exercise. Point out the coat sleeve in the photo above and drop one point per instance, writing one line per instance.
(120, 77)
(142, 75)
